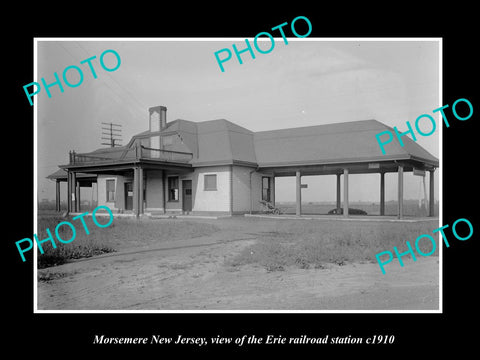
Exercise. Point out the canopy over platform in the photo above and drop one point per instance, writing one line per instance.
(321, 148)
(342, 148)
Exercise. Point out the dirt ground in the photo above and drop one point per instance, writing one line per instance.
(192, 275)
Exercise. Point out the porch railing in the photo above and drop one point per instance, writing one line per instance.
(136, 152)
(165, 155)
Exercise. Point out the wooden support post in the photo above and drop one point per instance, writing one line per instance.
(400, 191)
(144, 196)
(164, 187)
(69, 191)
(135, 192)
(57, 195)
(431, 200)
(345, 192)
(77, 196)
(74, 192)
(92, 204)
(382, 193)
(339, 200)
(272, 190)
(140, 190)
(230, 190)
(298, 194)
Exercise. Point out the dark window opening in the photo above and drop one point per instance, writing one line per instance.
(210, 182)
(173, 188)
(266, 188)
(110, 190)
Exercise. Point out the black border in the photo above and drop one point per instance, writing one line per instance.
(414, 333)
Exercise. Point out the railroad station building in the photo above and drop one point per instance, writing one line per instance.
(216, 166)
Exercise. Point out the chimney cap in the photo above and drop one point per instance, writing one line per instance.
(157, 108)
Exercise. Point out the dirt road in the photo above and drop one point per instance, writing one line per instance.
(192, 275)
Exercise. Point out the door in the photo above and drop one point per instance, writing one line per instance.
(187, 195)
(129, 196)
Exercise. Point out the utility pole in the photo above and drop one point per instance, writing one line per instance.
(113, 133)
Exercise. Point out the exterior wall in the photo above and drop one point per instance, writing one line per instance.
(243, 199)
(256, 191)
(119, 203)
(220, 200)
(120, 193)
(212, 200)
(154, 191)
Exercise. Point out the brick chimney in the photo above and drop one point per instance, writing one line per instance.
(157, 122)
(157, 118)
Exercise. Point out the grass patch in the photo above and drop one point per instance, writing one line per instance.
(122, 234)
(312, 244)
(82, 246)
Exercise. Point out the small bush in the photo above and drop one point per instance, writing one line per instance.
(64, 252)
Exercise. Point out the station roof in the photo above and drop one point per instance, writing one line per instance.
(221, 142)
(346, 142)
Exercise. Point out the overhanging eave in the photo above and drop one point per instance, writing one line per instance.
(125, 165)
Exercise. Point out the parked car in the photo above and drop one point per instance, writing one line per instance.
(351, 211)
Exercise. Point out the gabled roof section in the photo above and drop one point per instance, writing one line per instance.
(61, 174)
(211, 142)
(410, 148)
(221, 141)
(112, 153)
(187, 130)
(333, 143)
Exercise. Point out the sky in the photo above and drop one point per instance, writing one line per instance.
(310, 81)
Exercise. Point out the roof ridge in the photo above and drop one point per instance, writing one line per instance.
(320, 125)
(310, 135)
(226, 121)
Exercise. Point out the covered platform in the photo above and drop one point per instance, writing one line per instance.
(342, 149)
(81, 180)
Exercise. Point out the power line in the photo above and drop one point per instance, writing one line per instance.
(131, 96)
(121, 92)
(114, 134)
